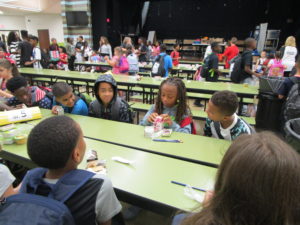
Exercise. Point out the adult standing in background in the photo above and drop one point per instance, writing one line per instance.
(13, 43)
(70, 48)
(79, 48)
(105, 47)
(289, 53)
(25, 49)
(126, 42)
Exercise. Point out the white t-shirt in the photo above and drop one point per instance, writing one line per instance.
(107, 204)
(289, 57)
(106, 49)
(208, 51)
(6, 179)
(36, 55)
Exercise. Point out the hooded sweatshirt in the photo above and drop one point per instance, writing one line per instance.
(117, 110)
(172, 113)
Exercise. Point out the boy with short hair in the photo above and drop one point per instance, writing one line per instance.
(108, 104)
(231, 52)
(28, 95)
(36, 53)
(222, 121)
(95, 201)
(64, 96)
(25, 49)
(168, 65)
(210, 70)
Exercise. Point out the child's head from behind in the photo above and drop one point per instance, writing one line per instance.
(258, 180)
(172, 91)
(118, 51)
(105, 87)
(63, 94)
(215, 47)
(19, 88)
(222, 105)
(163, 48)
(250, 43)
(7, 69)
(56, 143)
(278, 55)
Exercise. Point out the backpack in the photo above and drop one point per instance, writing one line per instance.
(292, 104)
(235, 76)
(36, 204)
(158, 68)
(44, 60)
(133, 63)
(83, 96)
(277, 65)
(218, 128)
(123, 65)
(207, 72)
(54, 56)
(186, 121)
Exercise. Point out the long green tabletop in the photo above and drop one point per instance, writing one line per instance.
(195, 148)
(146, 183)
(147, 82)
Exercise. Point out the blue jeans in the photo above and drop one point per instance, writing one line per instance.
(177, 220)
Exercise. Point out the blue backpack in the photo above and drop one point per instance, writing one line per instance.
(41, 203)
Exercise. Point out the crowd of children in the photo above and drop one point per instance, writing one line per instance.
(267, 195)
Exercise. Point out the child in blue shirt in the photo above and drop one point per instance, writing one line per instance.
(64, 96)
(167, 59)
(171, 104)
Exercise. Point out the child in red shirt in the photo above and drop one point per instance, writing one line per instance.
(175, 55)
(63, 59)
(231, 52)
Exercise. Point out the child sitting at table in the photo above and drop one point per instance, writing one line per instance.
(262, 62)
(71, 103)
(8, 70)
(108, 105)
(175, 55)
(7, 179)
(56, 145)
(222, 121)
(171, 104)
(28, 95)
(257, 183)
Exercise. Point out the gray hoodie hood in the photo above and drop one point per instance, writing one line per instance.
(107, 78)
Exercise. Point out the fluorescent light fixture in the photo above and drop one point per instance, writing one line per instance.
(19, 7)
(1, 12)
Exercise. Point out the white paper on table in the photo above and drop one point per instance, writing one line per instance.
(192, 194)
(122, 160)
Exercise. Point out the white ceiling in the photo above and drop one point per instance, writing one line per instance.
(25, 7)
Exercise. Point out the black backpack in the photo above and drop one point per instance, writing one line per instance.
(207, 72)
(237, 70)
(45, 60)
(158, 68)
(292, 105)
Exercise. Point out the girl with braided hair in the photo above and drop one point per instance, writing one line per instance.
(171, 104)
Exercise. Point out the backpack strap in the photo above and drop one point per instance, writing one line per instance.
(188, 121)
(218, 129)
(65, 187)
(252, 130)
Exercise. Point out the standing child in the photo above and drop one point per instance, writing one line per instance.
(231, 52)
(105, 47)
(156, 49)
(171, 104)
(175, 55)
(132, 61)
(36, 53)
(210, 69)
(261, 62)
(64, 96)
(63, 59)
(108, 105)
(116, 61)
(276, 68)
(222, 121)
